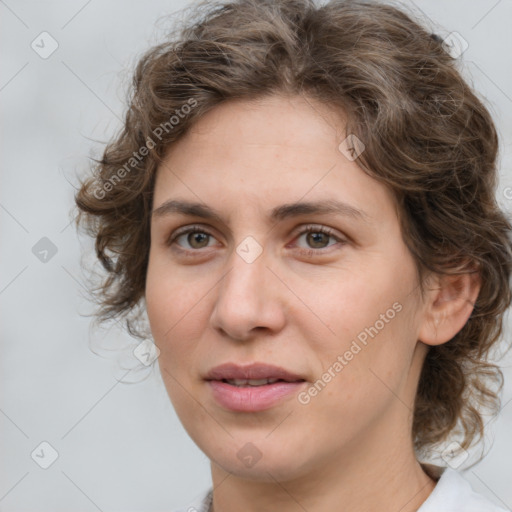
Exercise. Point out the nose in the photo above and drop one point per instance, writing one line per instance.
(249, 299)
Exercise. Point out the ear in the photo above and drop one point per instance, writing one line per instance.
(448, 306)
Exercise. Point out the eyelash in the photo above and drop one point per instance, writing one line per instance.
(306, 230)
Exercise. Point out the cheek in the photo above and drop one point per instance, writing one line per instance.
(370, 336)
(356, 302)
(170, 308)
(158, 298)
(170, 298)
(359, 382)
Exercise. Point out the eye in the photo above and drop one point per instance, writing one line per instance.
(317, 237)
(195, 236)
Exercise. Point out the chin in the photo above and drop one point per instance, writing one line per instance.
(261, 460)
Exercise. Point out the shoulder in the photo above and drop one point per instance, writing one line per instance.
(453, 493)
(200, 504)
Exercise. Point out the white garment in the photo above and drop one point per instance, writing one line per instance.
(452, 493)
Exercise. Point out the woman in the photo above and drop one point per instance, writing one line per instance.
(302, 200)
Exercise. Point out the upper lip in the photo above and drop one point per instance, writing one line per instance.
(251, 371)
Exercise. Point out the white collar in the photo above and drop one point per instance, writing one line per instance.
(453, 493)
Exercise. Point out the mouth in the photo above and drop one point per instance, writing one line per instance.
(252, 388)
(240, 383)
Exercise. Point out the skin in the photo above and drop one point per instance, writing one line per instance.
(299, 305)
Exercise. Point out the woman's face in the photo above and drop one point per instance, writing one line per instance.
(340, 312)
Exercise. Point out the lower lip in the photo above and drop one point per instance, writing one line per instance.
(252, 398)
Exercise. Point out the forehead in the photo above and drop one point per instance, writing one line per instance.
(267, 152)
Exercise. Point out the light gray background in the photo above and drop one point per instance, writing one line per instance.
(121, 446)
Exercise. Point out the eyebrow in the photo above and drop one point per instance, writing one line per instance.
(329, 206)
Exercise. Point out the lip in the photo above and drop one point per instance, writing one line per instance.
(251, 371)
(252, 398)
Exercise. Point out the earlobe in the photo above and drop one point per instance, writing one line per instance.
(449, 306)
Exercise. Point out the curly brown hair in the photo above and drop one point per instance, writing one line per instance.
(427, 136)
